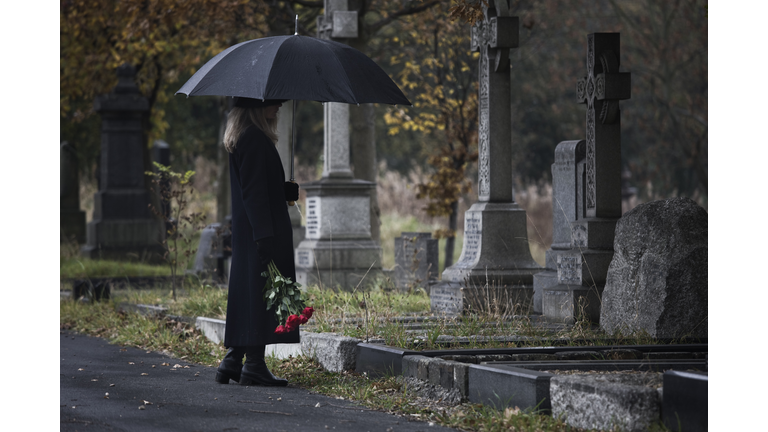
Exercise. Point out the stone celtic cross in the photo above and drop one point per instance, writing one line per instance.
(601, 90)
(493, 36)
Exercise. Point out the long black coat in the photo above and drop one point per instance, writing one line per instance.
(259, 210)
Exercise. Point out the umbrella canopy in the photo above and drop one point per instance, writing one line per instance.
(295, 67)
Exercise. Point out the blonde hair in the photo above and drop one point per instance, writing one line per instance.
(238, 121)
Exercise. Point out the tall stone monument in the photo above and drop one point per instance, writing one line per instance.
(581, 272)
(123, 224)
(337, 249)
(284, 142)
(496, 250)
(71, 218)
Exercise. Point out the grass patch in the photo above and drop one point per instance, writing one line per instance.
(84, 267)
(177, 339)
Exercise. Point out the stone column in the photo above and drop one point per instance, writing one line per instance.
(582, 271)
(284, 142)
(337, 250)
(496, 251)
(71, 218)
(122, 224)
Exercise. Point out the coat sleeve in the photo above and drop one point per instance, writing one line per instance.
(253, 181)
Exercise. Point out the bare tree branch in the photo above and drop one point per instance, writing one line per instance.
(373, 28)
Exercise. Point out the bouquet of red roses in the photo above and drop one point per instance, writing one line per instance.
(287, 299)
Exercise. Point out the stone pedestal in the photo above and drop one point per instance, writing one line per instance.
(337, 249)
(71, 218)
(122, 225)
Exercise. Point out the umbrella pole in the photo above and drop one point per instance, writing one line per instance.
(293, 118)
(293, 136)
(293, 144)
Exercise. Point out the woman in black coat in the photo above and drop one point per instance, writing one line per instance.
(261, 232)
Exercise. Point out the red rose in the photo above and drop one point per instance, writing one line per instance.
(308, 312)
(303, 319)
(292, 322)
(281, 329)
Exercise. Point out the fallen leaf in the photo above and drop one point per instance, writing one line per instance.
(317, 405)
(94, 379)
(141, 407)
(81, 369)
(279, 398)
(153, 365)
(131, 363)
(111, 385)
(165, 364)
(144, 373)
(147, 402)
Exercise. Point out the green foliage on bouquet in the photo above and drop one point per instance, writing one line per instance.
(283, 294)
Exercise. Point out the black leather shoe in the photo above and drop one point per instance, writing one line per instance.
(230, 366)
(255, 371)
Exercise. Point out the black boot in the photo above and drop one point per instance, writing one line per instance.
(230, 366)
(255, 370)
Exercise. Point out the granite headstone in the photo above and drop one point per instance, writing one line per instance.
(416, 260)
(123, 224)
(657, 281)
(496, 254)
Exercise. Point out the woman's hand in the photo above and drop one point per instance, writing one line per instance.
(266, 247)
(291, 191)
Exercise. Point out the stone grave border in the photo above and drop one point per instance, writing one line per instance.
(500, 385)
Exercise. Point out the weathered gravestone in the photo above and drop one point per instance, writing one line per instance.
(123, 224)
(496, 258)
(581, 272)
(565, 210)
(71, 218)
(416, 260)
(337, 249)
(657, 281)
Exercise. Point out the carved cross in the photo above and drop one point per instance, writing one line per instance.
(493, 36)
(602, 89)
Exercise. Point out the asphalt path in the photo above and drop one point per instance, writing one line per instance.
(105, 387)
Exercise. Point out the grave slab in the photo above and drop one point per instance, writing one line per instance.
(503, 386)
(334, 352)
(685, 403)
(627, 401)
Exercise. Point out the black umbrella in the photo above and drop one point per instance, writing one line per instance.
(295, 67)
(298, 68)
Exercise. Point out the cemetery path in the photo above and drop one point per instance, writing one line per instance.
(106, 387)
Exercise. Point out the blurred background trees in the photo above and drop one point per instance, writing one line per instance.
(664, 46)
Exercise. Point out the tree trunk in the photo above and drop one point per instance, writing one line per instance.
(223, 198)
(451, 241)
